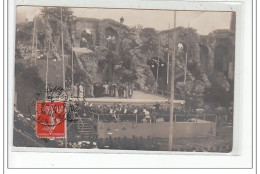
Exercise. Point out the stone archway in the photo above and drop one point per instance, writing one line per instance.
(112, 39)
(86, 38)
(181, 50)
(204, 58)
(220, 57)
(82, 30)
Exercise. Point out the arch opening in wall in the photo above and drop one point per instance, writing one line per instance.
(181, 48)
(86, 39)
(112, 39)
(181, 51)
(204, 58)
(220, 57)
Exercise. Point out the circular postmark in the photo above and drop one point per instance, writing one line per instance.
(57, 93)
(54, 110)
(50, 113)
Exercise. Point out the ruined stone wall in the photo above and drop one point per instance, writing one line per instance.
(49, 29)
(223, 38)
(98, 30)
(186, 36)
(118, 28)
(79, 25)
(201, 50)
(196, 45)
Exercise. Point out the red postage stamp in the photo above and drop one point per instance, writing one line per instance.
(50, 119)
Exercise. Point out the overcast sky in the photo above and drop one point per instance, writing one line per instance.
(204, 22)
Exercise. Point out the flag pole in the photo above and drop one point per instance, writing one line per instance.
(168, 59)
(186, 61)
(63, 73)
(33, 40)
(62, 50)
(47, 71)
(36, 46)
(72, 68)
(185, 70)
(157, 69)
(172, 89)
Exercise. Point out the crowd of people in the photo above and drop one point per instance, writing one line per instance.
(140, 143)
(124, 143)
(102, 90)
(119, 112)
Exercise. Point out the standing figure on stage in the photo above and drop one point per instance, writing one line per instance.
(95, 91)
(115, 87)
(126, 91)
(111, 90)
(121, 91)
(106, 89)
(130, 92)
(81, 91)
(77, 91)
(91, 90)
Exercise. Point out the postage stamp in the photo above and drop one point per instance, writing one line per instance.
(50, 119)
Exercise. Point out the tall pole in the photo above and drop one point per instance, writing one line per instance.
(185, 74)
(33, 40)
(185, 70)
(186, 61)
(172, 89)
(47, 71)
(72, 72)
(62, 52)
(168, 67)
(36, 47)
(72, 69)
(36, 39)
(168, 59)
(158, 64)
(63, 71)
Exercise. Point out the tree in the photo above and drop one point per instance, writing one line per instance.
(55, 12)
(54, 16)
(150, 39)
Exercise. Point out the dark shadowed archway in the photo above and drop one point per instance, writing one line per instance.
(112, 38)
(220, 55)
(204, 58)
(86, 39)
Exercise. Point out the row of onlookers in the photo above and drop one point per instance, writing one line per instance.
(103, 89)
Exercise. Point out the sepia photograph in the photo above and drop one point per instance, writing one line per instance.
(124, 79)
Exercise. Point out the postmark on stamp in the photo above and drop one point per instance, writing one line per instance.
(53, 113)
(50, 119)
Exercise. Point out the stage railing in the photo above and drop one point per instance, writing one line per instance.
(168, 94)
(195, 117)
(152, 118)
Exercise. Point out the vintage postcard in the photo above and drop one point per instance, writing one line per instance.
(130, 79)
